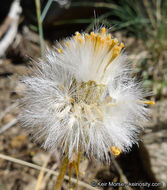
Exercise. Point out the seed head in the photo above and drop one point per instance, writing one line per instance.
(82, 98)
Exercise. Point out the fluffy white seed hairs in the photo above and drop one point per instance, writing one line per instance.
(82, 98)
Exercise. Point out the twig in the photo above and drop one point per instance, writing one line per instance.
(47, 176)
(41, 174)
(10, 25)
(8, 125)
(8, 109)
(5, 25)
(49, 173)
(123, 177)
(24, 163)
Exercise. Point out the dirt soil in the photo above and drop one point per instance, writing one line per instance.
(137, 165)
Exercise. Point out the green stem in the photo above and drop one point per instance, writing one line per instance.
(40, 29)
(62, 173)
(44, 12)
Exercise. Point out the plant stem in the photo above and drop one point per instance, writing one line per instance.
(62, 173)
(45, 10)
(40, 29)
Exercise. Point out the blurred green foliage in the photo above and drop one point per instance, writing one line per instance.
(144, 19)
(147, 20)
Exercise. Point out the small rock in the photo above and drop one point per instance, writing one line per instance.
(7, 118)
(6, 68)
(39, 158)
(83, 166)
(20, 89)
(20, 69)
(164, 91)
(17, 142)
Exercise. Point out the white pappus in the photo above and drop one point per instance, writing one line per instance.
(82, 98)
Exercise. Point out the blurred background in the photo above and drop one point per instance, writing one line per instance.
(142, 26)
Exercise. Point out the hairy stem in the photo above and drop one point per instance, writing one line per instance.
(62, 173)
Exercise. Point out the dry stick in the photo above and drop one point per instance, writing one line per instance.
(123, 177)
(62, 173)
(11, 32)
(47, 176)
(5, 25)
(24, 163)
(8, 109)
(41, 174)
(8, 125)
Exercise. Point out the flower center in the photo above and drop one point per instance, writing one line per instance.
(87, 92)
